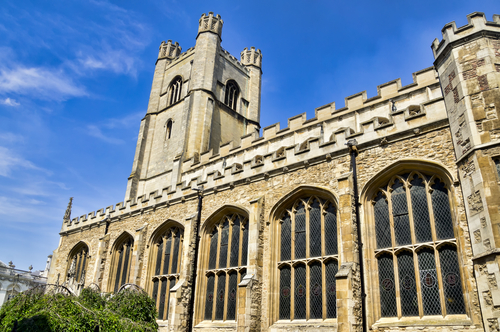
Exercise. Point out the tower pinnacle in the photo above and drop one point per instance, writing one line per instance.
(210, 23)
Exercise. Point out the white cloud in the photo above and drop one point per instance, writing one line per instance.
(10, 137)
(116, 61)
(43, 83)
(96, 132)
(9, 161)
(9, 102)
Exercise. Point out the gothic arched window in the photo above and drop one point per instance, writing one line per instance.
(167, 253)
(227, 259)
(174, 90)
(418, 268)
(308, 260)
(77, 263)
(168, 129)
(122, 258)
(232, 93)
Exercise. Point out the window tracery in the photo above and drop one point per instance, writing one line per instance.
(232, 93)
(174, 90)
(308, 260)
(78, 262)
(416, 249)
(122, 258)
(167, 253)
(227, 260)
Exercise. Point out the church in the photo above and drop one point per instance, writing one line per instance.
(382, 215)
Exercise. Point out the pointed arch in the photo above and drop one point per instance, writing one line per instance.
(174, 90)
(232, 94)
(77, 262)
(121, 261)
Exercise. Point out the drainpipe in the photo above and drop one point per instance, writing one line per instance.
(354, 152)
(195, 259)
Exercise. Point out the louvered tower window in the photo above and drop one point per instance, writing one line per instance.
(77, 263)
(167, 253)
(308, 260)
(418, 269)
(232, 93)
(174, 90)
(122, 258)
(227, 261)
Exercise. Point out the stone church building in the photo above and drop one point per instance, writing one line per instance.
(382, 215)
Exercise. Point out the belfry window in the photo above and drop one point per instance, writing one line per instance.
(227, 259)
(122, 258)
(308, 260)
(77, 264)
(418, 268)
(167, 253)
(168, 129)
(174, 90)
(232, 93)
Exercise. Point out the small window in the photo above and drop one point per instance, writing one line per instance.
(168, 129)
(174, 90)
(232, 93)
(497, 164)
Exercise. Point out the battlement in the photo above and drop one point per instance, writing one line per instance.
(451, 34)
(169, 50)
(210, 23)
(233, 60)
(251, 57)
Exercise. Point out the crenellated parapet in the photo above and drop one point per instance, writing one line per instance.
(169, 50)
(210, 23)
(477, 24)
(251, 57)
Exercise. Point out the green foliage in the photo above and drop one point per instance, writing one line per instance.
(129, 310)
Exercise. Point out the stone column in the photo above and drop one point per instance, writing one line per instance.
(250, 288)
(100, 261)
(348, 279)
(139, 248)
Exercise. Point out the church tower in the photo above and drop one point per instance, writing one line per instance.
(200, 99)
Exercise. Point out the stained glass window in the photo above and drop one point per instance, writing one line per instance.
(308, 290)
(167, 254)
(417, 278)
(228, 240)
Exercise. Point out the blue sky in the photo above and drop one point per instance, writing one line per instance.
(75, 78)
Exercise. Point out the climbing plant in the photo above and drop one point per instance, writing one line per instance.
(56, 310)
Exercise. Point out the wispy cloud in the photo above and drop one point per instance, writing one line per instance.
(9, 162)
(11, 137)
(117, 61)
(44, 83)
(9, 102)
(96, 132)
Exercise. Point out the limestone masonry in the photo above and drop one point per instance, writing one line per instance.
(278, 246)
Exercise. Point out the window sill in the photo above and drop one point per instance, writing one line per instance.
(285, 324)
(217, 324)
(450, 320)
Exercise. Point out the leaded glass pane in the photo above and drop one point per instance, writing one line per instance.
(223, 245)
(244, 246)
(331, 246)
(163, 293)
(331, 268)
(159, 254)
(83, 267)
(235, 242)
(231, 296)
(386, 283)
(300, 232)
(315, 230)
(126, 263)
(428, 279)
(221, 295)
(118, 270)
(78, 264)
(286, 238)
(285, 292)
(154, 296)
(315, 291)
(213, 249)
(407, 286)
(382, 221)
(300, 292)
(171, 285)
(453, 296)
(442, 213)
(400, 214)
(175, 254)
(166, 257)
(421, 218)
(209, 301)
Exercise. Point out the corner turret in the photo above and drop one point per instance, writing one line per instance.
(169, 50)
(251, 57)
(210, 23)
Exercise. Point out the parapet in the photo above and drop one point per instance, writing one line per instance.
(210, 23)
(251, 57)
(451, 34)
(169, 50)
